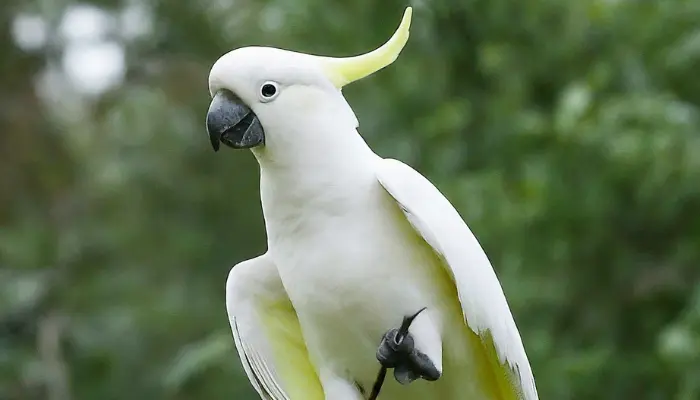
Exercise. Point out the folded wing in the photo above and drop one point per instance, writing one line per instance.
(483, 302)
(267, 334)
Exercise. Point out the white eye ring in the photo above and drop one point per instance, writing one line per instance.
(268, 91)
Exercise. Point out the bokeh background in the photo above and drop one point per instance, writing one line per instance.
(566, 133)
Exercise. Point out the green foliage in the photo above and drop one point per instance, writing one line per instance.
(566, 133)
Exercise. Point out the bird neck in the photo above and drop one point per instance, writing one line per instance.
(330, 178)
(340, 164)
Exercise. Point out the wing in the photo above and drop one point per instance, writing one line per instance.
(267, 333)
(480, 294)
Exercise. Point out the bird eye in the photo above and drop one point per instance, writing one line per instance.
(268, 90)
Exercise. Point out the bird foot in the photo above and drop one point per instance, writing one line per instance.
(397, 350)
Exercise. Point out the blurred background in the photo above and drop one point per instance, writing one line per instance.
(566, 133)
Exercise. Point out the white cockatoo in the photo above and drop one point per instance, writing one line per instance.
(356, 244)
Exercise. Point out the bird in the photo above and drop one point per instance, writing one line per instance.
(357, 245)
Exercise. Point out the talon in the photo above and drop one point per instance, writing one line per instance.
(404, 375)
(387, 353)
(397, 350)
(426, 367)
(394, 348)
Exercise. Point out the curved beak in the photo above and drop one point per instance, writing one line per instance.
(232, 122)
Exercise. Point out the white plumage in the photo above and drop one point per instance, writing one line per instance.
(355, 243)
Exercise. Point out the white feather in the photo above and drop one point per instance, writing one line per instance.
(483, 301)
(252, 286)
(351, 265)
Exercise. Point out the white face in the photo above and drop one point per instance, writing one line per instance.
(287, 106)
(287, 92)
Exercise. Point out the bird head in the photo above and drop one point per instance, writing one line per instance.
(269, 98)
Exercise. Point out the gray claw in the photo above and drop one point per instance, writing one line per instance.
(404, 375)
(397, 350)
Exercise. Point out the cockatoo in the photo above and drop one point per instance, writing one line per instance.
(357, 244)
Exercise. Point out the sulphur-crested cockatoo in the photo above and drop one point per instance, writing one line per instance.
(356, 243)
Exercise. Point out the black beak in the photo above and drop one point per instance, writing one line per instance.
(232, 122)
